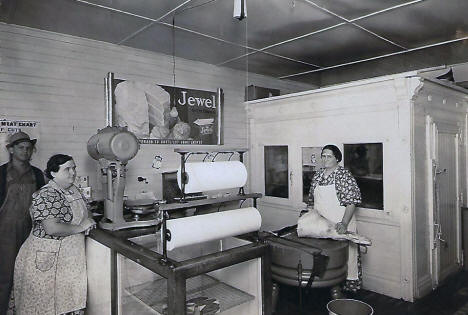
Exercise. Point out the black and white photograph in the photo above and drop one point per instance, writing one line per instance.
(237, 157)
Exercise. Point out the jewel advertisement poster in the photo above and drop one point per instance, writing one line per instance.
(160, 114)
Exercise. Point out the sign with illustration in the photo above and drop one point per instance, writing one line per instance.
(160, 114)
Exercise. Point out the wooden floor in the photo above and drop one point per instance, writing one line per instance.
(450, 298)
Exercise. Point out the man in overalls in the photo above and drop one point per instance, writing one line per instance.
(18, 180)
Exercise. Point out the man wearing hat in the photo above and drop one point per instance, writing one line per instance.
(18, 180)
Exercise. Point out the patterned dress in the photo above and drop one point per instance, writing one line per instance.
(50, 271)
(347, 193)
(48, 203)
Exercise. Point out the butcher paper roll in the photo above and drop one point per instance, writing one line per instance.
(212, 226)
(206, 176)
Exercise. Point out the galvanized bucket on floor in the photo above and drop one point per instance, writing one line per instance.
(349, 307)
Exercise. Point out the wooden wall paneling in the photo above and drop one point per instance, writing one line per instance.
(58, 80)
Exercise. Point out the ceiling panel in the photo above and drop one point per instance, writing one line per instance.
(423, 23)
(310, 31)
(339, 45)
(74, 18)
(153, 9)
(269, 65)
(354, 9)
(443, 55)
(268, 21)
(187, 45)
(217, 20)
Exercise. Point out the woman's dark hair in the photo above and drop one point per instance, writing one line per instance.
(53, 165)
(335, 150)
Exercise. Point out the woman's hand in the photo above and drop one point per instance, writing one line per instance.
(92, 227)
(88, 224)
(341, 227)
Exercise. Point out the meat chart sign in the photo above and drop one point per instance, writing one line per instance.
(159, 114)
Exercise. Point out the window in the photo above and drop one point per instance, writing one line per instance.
(311, 163)
(276, 171)
(365, 161)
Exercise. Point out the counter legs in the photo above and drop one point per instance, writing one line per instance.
(176, 294)
(267, 282)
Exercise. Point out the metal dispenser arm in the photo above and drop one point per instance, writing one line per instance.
(113, 183)
(108, 175)
(110, 189)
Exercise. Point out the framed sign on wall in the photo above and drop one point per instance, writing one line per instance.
(160, 114)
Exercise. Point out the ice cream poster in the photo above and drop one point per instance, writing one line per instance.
(159, 114)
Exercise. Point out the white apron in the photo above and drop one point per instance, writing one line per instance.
(50, 275)
(327, 204)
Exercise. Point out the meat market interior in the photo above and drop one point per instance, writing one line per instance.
(233, 156)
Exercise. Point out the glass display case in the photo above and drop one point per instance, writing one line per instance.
(219, 290)
(130, 272)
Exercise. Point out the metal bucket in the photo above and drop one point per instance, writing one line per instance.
(349, 307)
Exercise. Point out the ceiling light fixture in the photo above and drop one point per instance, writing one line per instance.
(240, 9)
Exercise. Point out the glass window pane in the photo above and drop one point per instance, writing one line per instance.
(311, 163)
(276, 171)
(365, 161)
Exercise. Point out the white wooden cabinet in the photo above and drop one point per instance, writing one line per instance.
(391, 110)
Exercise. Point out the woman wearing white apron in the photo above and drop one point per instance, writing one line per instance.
(334, 194)
(50, 269)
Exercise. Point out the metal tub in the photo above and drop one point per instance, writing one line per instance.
(294, 258)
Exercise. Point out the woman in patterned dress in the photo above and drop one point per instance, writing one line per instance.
(334, 194)
(50, 269)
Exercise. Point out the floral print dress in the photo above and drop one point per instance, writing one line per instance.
(347, 193)
(50, 271)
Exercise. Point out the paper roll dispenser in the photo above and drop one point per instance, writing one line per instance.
(208, 176)
(114, 144)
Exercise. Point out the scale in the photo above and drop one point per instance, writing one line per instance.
(113, 147)
(142, 209)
